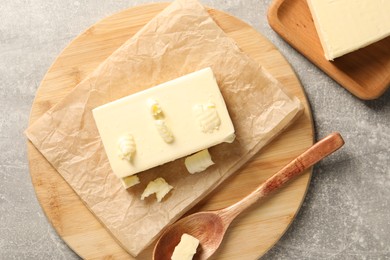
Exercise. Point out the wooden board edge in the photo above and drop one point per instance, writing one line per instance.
(310, 115)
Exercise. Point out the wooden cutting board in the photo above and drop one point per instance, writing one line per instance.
(365, 72)
(252, 233)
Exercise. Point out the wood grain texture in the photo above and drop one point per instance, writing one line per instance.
(365, 72)
(209, 227)
(260, 227)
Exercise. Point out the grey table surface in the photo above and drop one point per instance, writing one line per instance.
(346, 213)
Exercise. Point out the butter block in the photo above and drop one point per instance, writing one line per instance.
(344, 26)
(198, 162)
(163, 124)
(186, 249)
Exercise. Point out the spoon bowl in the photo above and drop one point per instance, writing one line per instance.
(209, 227)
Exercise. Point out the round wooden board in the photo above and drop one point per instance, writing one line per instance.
(253, 232)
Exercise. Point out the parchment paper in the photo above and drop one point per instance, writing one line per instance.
(183, 38)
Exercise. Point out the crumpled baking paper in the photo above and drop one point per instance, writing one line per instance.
(181, 39)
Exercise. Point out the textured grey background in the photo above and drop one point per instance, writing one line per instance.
(346, 214)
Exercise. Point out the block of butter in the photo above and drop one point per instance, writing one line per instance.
(164, 123)
(344, 26)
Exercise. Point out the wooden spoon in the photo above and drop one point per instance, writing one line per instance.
(209, 227)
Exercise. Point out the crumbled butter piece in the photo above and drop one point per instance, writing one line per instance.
(186, 249)
(126, 146)
(198, 162)
(207, 116)
(129, 181)
(155, 109)
(159, 186)
(159, 122)
(164, 131)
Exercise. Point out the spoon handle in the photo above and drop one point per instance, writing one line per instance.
(315, 153)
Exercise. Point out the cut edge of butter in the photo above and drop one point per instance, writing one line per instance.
(321, 35)
(198, 162)
(159, 186)
(129, 181)
(186, 249)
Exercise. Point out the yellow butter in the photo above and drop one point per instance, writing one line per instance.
(176, 136)
(159, 187)
(207, 117)
(198, 162)
(129, 181)
(347, 25)
(126, 146)
(164, 131)
(186, 249)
